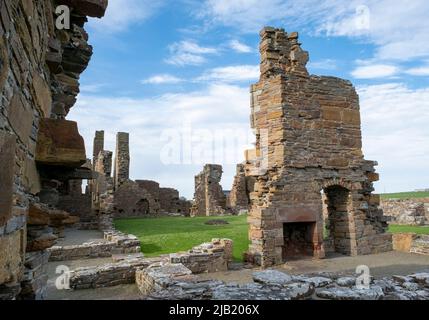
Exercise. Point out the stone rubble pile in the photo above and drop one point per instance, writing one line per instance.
(276, 285)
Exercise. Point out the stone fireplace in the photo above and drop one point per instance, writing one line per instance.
(299, 239)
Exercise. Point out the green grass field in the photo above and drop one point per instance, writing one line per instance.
(405, 195)
(174, 234)
(408, 229)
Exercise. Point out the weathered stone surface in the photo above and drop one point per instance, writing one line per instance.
(272, 277)
(406, 212)
(43, 94)
(209, 199)
(60, 144)
(114, 243)
(193, 288)
(159, 276)
(42, 242)
(109, 275)
(39, 71)
(403, 241)
(207, 257)
(308, 140)
(346, 281)
(7, 156)
(374, 293)
(92, 8)
(11, 252)
(318, 282)
(238, 199)
(122, 159)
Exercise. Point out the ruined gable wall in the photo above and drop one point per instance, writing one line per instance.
(239, 196)
(209, 198)
(308, 139)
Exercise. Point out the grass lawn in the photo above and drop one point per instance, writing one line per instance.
(174, 234)
(394, 228)
(405, 195)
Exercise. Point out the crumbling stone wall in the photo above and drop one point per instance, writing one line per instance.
(169, 199)
(209, 198)
(238, 199)
(39, 71)
(141, 198)
(408, 212)
(308, 139)
(132, 201)
(122, 159)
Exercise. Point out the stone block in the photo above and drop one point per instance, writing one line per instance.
(43, 95)
(91, 8)
(20, 117)
(7, 168)
(11, 255)
(60, 144)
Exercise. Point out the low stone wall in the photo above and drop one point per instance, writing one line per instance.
(411, 242)
(207, 257)
(114, 242)
(112, 274)
(406, 212)
(420, 245)
(157, 277)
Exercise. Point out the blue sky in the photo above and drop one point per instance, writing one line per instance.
(170, 71)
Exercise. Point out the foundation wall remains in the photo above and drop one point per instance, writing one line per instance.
(114, 242)
(308, 139)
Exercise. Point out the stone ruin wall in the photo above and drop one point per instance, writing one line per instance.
(209, 198)
(39, 81)
(127, 198)
(121, 171)
(407, 211)
(238, 200)
(308, 139)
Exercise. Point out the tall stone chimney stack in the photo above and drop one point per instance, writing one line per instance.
(122, 159)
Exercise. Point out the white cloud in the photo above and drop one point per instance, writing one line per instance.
(419, 71)
(188, 53)
(121, 14)
(396, 134)
(219, 108)
(232, 74)
(239, 47)
(399, 31)
(374, 71)
(91, 88)
(326, 64)
(162, 79)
